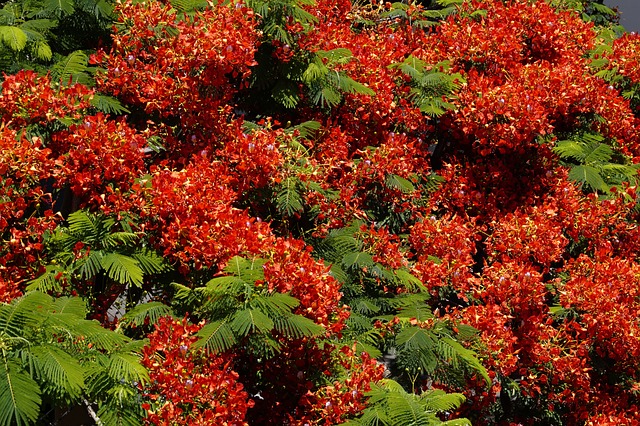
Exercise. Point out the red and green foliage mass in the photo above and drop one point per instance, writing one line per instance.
(301, 213)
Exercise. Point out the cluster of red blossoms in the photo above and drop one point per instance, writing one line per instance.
(182, 378)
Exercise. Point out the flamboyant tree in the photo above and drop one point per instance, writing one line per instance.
(283, 212)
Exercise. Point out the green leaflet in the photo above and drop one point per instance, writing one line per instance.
(116, 254)
(151, 311)
(588, 175)
(61, 373)
(43, 357)
(71, 68)
(239, 310)
(357, 260)
(399, 183)
(122, 269)
(19, 395)
(216, 337)
(594, 164)
(297, 326)
(13, 37)
(431, 89)
(108, 105)
(289, 196)
(251, 320)
(59, 7)
(390, 405)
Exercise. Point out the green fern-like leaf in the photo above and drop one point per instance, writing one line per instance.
(70, 305)
(122, 269)
(415, 338)
(339, 55)
(602, 9)
(432, 182)
(450, 2)
(398, 182)
(407, 280)
(466, 332)
(306, 129)
(297, 326)
(417, 350)
(358, 260)
(46, 282)
(24, 312)
(405, 410)
(590, 162)
(588, 175)
(358, 322)
(126, 367)
(151, 311)
(59, 7)
(435, 107)
(61, 373)
(335, 247)
(224, 286)
(362, 346)
(150, 262)
(112, 413)
(100, 337)
(349, 85)
(464, 355)
(276, 304)
(315, 71)
(89, 266)
(108, 105)
(419, 311)
(390, 405)
(188, 5)
(19, 395)
(286, 93)
(13, 37)
(248, 270)
(248, 320)
(587, 147)
(431, 89)
(570, 149)
(70, 67)
(338, 273)
(440, 401)
(326, 96)
(43, 50)
(35, 28)
(103, 10)
(86, 225)
(216, 337)
(289, 197)
(364, 306)
(597, 153)
(380, 271)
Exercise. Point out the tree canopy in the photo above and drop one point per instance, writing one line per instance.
(290, 212)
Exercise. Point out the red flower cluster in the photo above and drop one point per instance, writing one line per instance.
(291, 269)
(180, 67)
(334, 403)
(28, 98)
(20, 229)
(98, 156)
(444, 249)
(187, 386)
(624, 56)
(192, 214)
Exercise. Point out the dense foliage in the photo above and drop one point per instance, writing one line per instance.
(289, 212)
